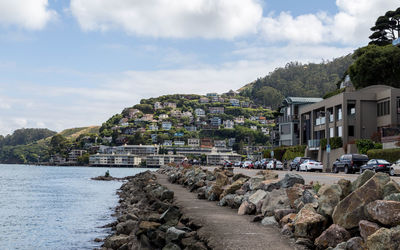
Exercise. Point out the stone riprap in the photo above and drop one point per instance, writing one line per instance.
(362, 214)
(147, 218)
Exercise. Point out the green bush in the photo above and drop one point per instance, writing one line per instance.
(336, 142)
(286, 153)
(364, 145)
(390, 155)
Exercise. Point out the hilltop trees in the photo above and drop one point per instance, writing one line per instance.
(376, 65)
(386, 28)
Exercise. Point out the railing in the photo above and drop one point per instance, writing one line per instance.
(314, 144)
(288, 118)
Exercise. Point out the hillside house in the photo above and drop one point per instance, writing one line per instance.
(204, 100)
(200, 112)
(194, 142)
(215, 121)
(163, 116)
(229, 124)
(166, 125)
(234, 102)
(158, 105)
(170, 105)
(216, 110)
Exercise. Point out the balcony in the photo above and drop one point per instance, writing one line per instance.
(288, 118)
(314, 144)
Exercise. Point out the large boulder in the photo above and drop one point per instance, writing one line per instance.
(346, 187)
(288, 219)
(308, 223)
(384, 239)
(236, 185)
(269, 221)
(309, 197)
(126, 227)
(171, 216)
(385, 212)
(174, 234)
(222, 180)
(115, 241)
(393, 197)
(355, 243)
(290, 179)
(367, 228)
(171, 246)
(237, 201)
(257, 198)
(214, 193)
(246, 208)
(294, 193)
(329, 197)
(239, 176)
(269, 185)
(362, 179)
(256, 182)
(280, 213)
(268, 174)
(350, 210)
(391, 188)
(332, 236)
(277, 199)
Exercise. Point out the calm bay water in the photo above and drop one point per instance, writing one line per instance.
(56, 207)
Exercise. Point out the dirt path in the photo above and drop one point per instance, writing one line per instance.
(223, 228)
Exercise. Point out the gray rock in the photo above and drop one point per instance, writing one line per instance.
(361, 179)
(171, 216)
(385, 212)
(391, 188)
(332, 236)
(226, 200)
(116, 241)
(126, 227)
(256, 182)
(269, 221)
(174, 234)
(367, 228)
(290, 179)
(277, 199)
(355, 243)
(329, 197)
(393, 197)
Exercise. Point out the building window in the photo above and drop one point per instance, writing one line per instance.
(285, 129)
(331, 132)
(339, 114)
(383, 108)
(339, 131)
(351, 130)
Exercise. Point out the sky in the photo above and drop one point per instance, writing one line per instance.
(73, 63)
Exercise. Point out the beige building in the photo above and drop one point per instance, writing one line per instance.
(352, 115)
(160, 160)
(114, 160)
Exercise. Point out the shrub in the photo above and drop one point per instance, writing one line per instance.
(316, 187)
(390, 155)
(286, 153)
(364, 145)
(336, 142)
(107, 174)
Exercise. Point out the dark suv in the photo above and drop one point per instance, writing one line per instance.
(295, 164)
(349, 163)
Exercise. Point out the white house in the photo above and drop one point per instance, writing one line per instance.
(229, 124)
(166, 125)
(200, 112)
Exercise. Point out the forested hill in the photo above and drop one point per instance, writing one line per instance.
(25, 136)
(296, 79)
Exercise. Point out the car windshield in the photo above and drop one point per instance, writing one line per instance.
(380, 161)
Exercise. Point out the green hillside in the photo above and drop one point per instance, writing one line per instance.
(296, 79)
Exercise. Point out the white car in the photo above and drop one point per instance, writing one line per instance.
(279, 165)
(395, 168)
(311, 165)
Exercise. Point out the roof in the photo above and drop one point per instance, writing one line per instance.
(302, 99)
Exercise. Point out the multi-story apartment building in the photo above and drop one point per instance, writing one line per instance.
(220, 143)
(114, 160)
(215, 121)
(74, 154)
(288, 121)
(351, 115)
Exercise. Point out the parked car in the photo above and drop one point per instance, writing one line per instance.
(311, 165)
(264, 162)
(248, 164)
(257, 164)
(395, 168)
(227, 163)
(279, 165)
(237, 164)
(349, 163)
(295, 164)
(377, 165)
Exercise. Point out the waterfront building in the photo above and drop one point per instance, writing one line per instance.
(161, 160)
(74, 154)
(220, 143)
(193, 142)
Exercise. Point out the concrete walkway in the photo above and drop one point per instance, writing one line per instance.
(223, 228)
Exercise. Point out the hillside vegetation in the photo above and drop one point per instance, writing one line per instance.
(32, 145)
(296, 79)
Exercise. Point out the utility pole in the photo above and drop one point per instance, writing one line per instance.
(328, 145)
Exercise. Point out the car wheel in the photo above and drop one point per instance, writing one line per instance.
(297, 168)
(346, 170)
(391, 172)
(335, 170)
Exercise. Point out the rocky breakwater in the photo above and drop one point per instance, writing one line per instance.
(363, 214)
(147, 218)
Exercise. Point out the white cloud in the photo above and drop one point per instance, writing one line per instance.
(31, 14)
(174, 18)
(350, 25)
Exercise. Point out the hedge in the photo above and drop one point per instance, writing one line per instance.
(390, 155)
(286, 153)
(336, 142)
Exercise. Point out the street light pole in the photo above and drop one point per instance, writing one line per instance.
(328, 145)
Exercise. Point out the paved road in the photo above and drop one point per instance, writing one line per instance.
(223, 228)
(323, 178)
